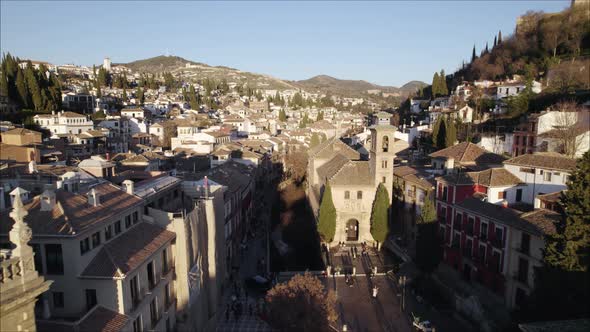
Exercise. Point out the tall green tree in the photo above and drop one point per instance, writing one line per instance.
(380, 215)
(428, 253)
(435, 85)
(451, 132)
(22, 90)
(562, 287)
(499, 37)
(282, 115)
(139, 95)
(320, 116)
(327, 223)
(444, 90)
(473, 56)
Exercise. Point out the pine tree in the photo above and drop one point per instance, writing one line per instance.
(473, 56)
(428, 253)
(451, 132)
(327, 222)
(561, 284)
(380, 215)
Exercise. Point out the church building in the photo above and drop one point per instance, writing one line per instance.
(353, 181)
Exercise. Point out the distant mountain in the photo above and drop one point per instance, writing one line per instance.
(192, 70)
(325, 83)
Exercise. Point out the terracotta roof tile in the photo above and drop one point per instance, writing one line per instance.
(128, 251)
(72, 214)
(467, 152)
(544, 160)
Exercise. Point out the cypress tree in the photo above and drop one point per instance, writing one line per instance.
(380, 215)
(495, 42)
(282, 115)
(473, 56)
(561, 284)
(320, 116)
(435, 85)
(327, 222)
(444, 90)
(435, 130)
(499, 37)
(486, 50)
(124, 94)
(451, 133)
(441, 137)
(22, 90)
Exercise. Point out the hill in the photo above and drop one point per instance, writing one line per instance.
(325, 83)
(196, 71)
(541, 44)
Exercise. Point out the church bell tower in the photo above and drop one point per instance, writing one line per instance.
(382, 156)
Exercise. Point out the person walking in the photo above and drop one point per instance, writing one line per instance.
(375, 291)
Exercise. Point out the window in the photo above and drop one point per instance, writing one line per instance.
(165, 261)
(54, 259)
(134, 287)
(520, 296)
(525, 243)
(154, 312)
(359, 195)
(384, 180)
(383, 163)
(347, 194)
(499, 240)
(84, 246)
(118, 227)
(444, 194)
(58, 299)
(90, 298)
(385, 144)
(482, 253)
(547, 176)
(95, 239)
(518, 195)
(502, 195)
(523, 270)
(127, 221)
(151, 275)
(38, 258)
(135, 217)
(457, 223)
(137, 326)
(497, 261)
(470, 223)
(167, 296)
(483, 235)
(443, 215)
(108, 232)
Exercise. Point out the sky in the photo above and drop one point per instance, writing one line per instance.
(383, 42)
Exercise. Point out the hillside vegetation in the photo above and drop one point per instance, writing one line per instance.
(557, 43)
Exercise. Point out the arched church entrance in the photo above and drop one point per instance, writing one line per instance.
(352, 230)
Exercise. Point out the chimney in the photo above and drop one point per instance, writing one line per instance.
(93, 197)
(47, 200)
(129, 186)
